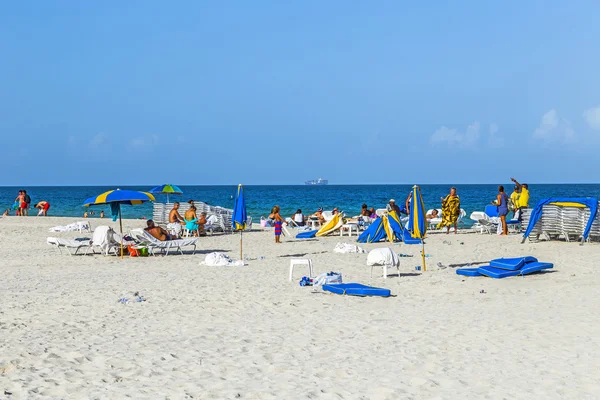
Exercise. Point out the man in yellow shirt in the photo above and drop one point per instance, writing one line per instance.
(514, 199)
(523, 196)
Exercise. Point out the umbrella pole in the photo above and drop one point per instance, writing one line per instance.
(241, 258)
(423, 255)
(121, 228)
(167, 197)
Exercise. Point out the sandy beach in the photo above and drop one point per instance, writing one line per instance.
(249, 333)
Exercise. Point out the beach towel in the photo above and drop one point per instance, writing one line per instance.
(450, 211)
(217, 259)
(347, 248)
(383, 256)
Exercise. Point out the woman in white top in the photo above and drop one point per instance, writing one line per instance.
(298, 218)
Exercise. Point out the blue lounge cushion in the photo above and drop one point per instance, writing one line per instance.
(307, 234)
(503, 273)
(535, 267)
(356, 289)
(512, 264)
(468, 272)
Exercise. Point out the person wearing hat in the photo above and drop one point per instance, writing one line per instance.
(392, 206)
(319, 215)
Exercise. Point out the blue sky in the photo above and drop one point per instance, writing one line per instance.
(146, 92)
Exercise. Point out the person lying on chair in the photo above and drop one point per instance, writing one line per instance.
(157, 231)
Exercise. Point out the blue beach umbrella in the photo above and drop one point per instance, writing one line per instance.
(117, 197)
(238, 220)
(166, 189)
(418, 220)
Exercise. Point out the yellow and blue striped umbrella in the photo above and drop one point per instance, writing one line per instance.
(119, 196)
(240, 215)
(116, 198)
(418, 220)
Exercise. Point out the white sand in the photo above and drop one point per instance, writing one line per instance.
(246, 332)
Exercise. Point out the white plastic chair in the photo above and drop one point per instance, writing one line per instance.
(301, 261)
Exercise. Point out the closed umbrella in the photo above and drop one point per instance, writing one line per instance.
(117, 197)
(166, 189)
(417, 221)
(238, 221)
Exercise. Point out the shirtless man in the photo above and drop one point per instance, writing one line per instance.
(43, 207)
(157, 231)
(20, 200)
(175, 219)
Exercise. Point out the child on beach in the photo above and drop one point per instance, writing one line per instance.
(278, 222)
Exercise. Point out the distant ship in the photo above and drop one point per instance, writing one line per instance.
(319, 181)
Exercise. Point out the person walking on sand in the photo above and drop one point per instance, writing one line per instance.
(278, 222)
(450, 211)
(502, 204)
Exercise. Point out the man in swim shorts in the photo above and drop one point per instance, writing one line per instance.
(43, 207)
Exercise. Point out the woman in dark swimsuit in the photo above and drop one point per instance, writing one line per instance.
(502, 203)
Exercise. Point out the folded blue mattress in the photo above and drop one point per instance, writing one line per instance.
(512, 264)
(356, 289)
(498, 273)
(307, 234)
(468, 272)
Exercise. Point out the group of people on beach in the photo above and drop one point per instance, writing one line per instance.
(22, 204)
(517, 202)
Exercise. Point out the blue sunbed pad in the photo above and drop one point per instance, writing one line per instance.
(468, 272)
(356, 289)
(503, 273)
(512, 264)
(307, 235)
(535, 267)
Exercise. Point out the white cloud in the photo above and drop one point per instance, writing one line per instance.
(151, 140)
(494, 141)
(98, 140)
(554, 128)
(592, 117)
(452, 137)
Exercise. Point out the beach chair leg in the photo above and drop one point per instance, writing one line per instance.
(194, 251)
(385, 272)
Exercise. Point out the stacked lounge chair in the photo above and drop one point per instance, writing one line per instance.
(160, 214)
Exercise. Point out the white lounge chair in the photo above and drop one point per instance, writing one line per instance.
(71, 245)
(79, 226)
(152, 243)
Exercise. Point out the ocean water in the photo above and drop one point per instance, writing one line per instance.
(67, 201)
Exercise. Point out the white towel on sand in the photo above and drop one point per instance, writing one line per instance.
(347, 248)
(217, 259)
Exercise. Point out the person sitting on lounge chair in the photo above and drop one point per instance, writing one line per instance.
(157, 231)
(433, 214)
(192, 222)
(364, 211)
(319, 215)
(298, 218)
(392, 206)
(175, 220)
